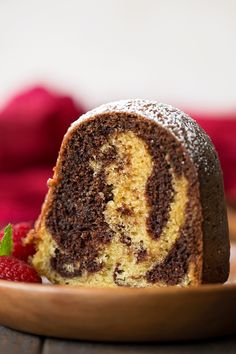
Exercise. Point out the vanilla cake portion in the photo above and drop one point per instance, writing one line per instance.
(136, 200)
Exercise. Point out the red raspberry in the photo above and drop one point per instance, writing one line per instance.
(19, 232)
(17, 270)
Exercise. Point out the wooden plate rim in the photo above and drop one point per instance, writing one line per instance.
(69, 290)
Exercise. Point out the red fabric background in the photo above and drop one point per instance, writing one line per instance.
(31, 129)
(222, 131)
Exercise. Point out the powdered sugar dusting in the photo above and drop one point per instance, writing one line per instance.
(184, 128)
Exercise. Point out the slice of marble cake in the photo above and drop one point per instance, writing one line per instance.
(136, 200)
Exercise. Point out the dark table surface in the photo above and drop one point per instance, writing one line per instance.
(13, 342)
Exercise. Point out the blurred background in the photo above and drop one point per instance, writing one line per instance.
(60, 58)
(180, 51)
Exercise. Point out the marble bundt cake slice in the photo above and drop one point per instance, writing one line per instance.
(136, 200)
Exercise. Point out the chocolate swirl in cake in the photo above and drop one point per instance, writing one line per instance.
(76, 218)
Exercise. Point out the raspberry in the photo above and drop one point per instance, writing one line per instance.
(15, 269)
(19, 232)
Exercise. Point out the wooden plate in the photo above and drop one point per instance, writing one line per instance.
(122, 314)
